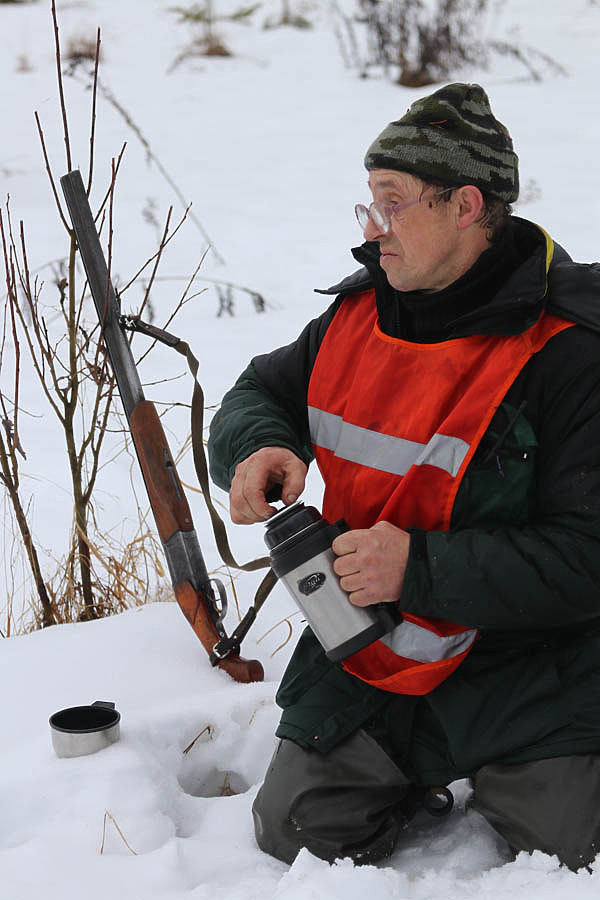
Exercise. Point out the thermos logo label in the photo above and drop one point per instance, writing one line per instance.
(311, 583)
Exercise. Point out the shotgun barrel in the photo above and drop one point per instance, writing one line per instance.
(194, 590)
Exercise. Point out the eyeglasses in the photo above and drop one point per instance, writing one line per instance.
(381, 213)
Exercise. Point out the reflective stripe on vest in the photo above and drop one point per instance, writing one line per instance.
(415, 642)
(384, 451)
(394, 426)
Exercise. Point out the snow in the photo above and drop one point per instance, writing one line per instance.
(268, 145)
(173, 824)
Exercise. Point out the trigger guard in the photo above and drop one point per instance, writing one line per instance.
(220, 602)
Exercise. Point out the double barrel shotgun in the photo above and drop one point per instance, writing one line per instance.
(202, 600)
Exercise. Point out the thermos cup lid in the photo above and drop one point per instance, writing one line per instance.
(289, 522)
(80, 730)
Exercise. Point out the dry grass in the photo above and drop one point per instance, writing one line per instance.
(81, 48)
(208, 729)
(123, 577)
(110, 818)
(286, 641)
(201, 47)
(213, 46)
(23, 64)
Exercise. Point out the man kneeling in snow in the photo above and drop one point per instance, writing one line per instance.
(451, 398)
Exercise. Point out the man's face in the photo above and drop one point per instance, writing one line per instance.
(421, 250)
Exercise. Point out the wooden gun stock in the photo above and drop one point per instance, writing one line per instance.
(194, 609)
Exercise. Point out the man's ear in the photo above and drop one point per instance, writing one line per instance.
(469, 205)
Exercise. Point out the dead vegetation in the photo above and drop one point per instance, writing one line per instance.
(48, 325)
(420, 42)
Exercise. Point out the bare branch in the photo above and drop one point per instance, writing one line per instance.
(63, 107)
(108, 95)
(184, 299)
(15, 424)
(161, 247)
(110, 187)
(49, 171)
(100, 432)
(157, 259)
(34, 325)
(72, 331)
(93, 123)
(257, 298)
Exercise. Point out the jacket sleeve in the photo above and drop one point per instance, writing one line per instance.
(266, 407)
(545, 573)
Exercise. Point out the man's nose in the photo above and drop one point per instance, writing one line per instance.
(373, 232)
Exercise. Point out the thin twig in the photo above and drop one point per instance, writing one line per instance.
(100, 433)
(154, 255)
(49, 171)
(157, 259)
(108, 95)
(110, 187)
(104, 317)
(17, 346)
(277, 624)
(183, 300)
(63, 107)
(146, 384)
(207, 728)
(34, 326)
(93, 123)
(108, 815)
(218, 281)
(110, 232)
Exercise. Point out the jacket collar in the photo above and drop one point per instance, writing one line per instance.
(518, 303)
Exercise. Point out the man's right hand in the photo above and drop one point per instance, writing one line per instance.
(256, 475)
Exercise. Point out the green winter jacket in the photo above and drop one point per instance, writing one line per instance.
(521, 560)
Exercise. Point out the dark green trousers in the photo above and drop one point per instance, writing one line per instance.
(354, 802)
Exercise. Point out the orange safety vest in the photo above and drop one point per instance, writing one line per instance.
(394, 426)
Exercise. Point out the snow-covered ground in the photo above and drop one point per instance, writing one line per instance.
(187, 834)
(268, 145)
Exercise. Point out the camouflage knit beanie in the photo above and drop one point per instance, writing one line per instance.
(451, 137)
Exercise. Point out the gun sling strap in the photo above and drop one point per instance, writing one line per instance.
(232, 643)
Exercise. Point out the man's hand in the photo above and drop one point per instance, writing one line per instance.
(371, 563)
(256, 475)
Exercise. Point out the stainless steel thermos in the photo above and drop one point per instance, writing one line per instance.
(299, 540)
